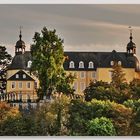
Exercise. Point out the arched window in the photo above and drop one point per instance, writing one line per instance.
(17, 75)
(91, 65)
(24, 76)
(119, 63)
(29, 64)
(81, 64)
(71, 64)
(112, 63)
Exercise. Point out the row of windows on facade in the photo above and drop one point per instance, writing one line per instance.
(92, 74)
(82, 75)
(90, 65)
(81, 86)
(81, 64)
(19, 96)
(28, 85)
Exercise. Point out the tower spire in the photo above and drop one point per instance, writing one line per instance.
(131, 46)
(130, 29)
(20, 45)
(20, 35)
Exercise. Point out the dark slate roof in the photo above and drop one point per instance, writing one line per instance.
(131, 45)
(20, 61)
(100, 59)
(20, 43)
(20, 73)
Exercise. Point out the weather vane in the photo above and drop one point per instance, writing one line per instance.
(20, 27)
(130, 29)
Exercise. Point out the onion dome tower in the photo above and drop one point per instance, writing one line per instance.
(131, 46)
(20, 45)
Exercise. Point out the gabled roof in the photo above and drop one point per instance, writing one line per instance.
(20, 73)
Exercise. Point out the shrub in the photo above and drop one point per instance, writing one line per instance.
(100, 127)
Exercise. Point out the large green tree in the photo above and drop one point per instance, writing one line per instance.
(48, 58)
(105, 91)
(52, 117)
(135, 88)
(5, 60)
(135, 106)
(97, 90)
(81, 112)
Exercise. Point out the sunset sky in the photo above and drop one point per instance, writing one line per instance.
(83, 27)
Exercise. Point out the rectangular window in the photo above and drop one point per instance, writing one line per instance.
(75, 86)
(82, 86)
(75, 74)
(110, 74)
(20, 85)
(93, 75)
(13, 84)
(82, 74)
(28, 85)
(35, 84)
(20, 96)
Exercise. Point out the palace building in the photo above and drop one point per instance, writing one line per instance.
(20, 83)
(97, 66)
(87, 66)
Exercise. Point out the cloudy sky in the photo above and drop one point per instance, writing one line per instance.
(83, 27)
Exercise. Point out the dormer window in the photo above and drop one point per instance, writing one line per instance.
(24, 76)
(29, 64)
(71, 64)
(81, 64)
(112, 63)
(90, 65)
(17, 75)
(119, 63)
